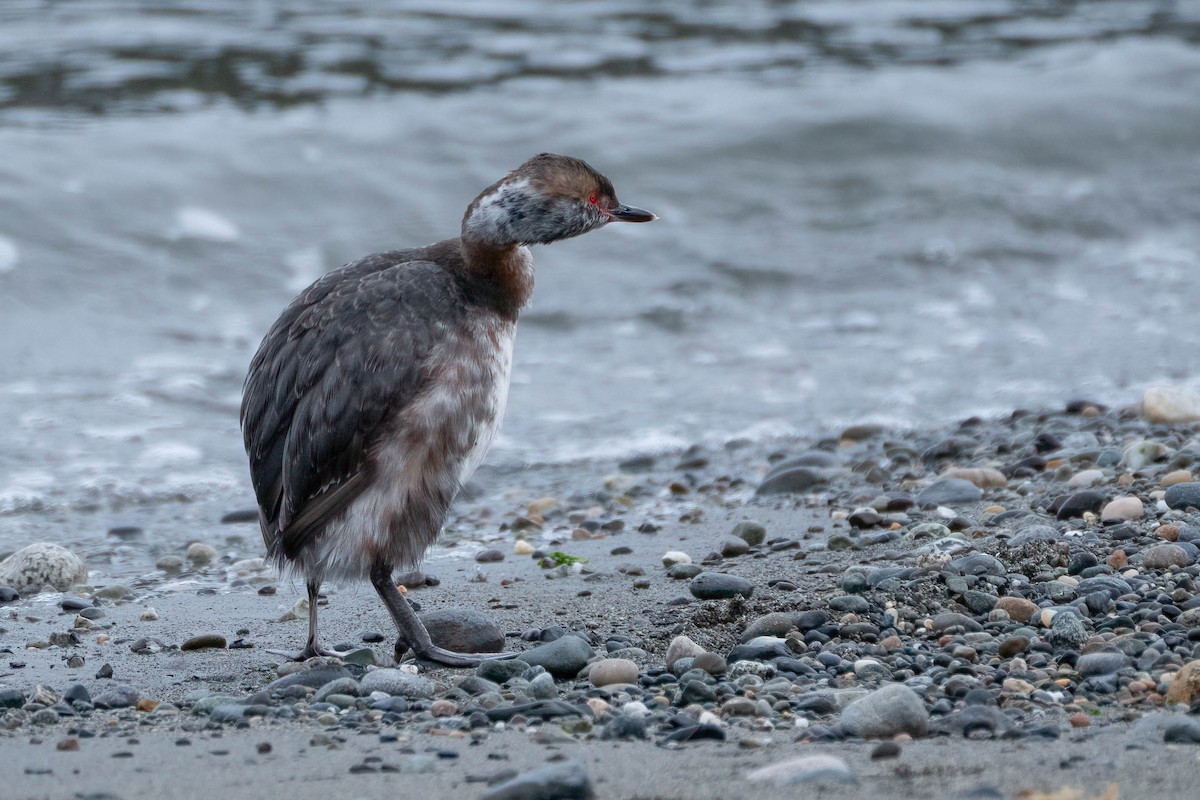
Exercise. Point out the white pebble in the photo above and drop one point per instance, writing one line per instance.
(672, 557)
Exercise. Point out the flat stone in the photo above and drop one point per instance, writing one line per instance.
(346, 686)
(1086, 479)
(762, 648)
(805, 769)
(501, 670)
(463, 630)
(562, 658)
(610, 671)
(952, 620)
(207, 641)
(397, 683)
(42, 564)
(949, 491)
(720, 586)
(567, 780)
(885, 712)
(1102, 663)
(1034, 533)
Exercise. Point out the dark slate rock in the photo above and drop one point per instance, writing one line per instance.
(463, 630)
(709, 730)
(8, 595)
(809, 620)
(1166, 727)
(1076, 504)
(719, 586)
(562, 658)
(76, 693)
(1183, 495)
(949, 491)
(732, 547)
(567, 780)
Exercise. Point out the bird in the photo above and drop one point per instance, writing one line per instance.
(376, 393)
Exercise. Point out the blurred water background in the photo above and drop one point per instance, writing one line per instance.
(901, 211)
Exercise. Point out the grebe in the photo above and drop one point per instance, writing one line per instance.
(378, 391)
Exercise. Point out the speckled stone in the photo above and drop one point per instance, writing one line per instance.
(609, 671)
(1162, 556)
(42, 564)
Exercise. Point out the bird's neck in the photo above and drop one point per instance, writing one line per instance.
(501, 275)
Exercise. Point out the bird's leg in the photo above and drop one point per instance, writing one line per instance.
(311, 648)
(412, 630)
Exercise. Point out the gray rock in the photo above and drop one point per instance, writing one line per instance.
(397, 683)
(976, 564)
(562, 658)
(314, 678)
(979, 602)
(1101, 663)
(1111, 585)
(11, 698)
(849, 604)
(788, 477)
(499, 671)
(1067, 632)
(952, 620)
(682, 572)
(1183, 495)
(337, 686)
(1162, 556)
(206, 705)
(122, 696)
(732, 547)
(976, 718)
(753, 533)
(229, 712)
(542, 687)
(719, 586)
(1166, 727)
(806, 769)
(763, 648)
(777, 623)
(885, 712)
(463, 630)
(949, 491)
(1034, 533)
(567, 780)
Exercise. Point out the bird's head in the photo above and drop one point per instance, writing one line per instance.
(549, 197)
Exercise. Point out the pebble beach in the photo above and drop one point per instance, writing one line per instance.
(998, 608)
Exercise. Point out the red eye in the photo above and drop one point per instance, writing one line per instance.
(593, 198)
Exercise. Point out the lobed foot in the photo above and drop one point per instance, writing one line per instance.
(440, 655)
(310, 651)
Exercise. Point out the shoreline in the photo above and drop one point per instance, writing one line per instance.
(974, 593)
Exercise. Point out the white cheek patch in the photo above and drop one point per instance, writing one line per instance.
(488, 219)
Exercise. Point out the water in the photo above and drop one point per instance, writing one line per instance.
(903, 212)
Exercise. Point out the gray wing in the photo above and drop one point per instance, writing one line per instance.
(339, 362)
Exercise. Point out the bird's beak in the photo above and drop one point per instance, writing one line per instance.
(623, 213)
